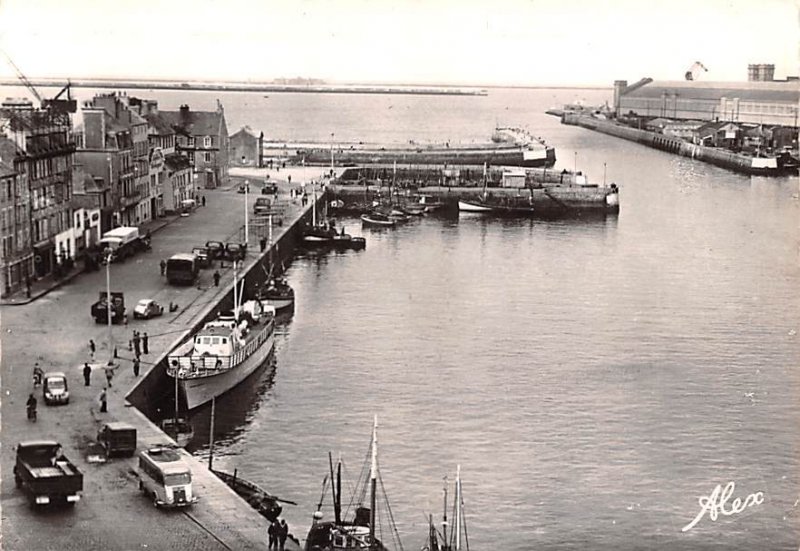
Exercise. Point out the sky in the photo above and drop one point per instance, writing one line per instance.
(449, 42)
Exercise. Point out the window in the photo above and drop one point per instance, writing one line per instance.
(191, 141)
(207, 141)
(207, 156)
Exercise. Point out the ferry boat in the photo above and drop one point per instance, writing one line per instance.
(224, 351)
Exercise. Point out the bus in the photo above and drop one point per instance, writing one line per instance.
(182, 269)
(165, 477)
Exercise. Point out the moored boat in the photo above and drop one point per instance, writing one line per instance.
(378, 219)
(259, 499)
(457, 540)
(278, 294)
(362, 532)
(224, 352)
(179, 429)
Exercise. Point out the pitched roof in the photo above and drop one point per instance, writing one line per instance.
(246, 130)
(781, 91)
(194, 123)
(8, 151)
(159, 124)
(176, 161)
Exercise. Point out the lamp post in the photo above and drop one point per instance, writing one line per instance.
(107, 252)
(604, 175)
(246, 223)
(331, 154)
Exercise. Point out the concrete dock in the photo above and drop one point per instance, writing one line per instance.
(54, 329)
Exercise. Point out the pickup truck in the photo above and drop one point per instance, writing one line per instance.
(45, 475)
(99, 309)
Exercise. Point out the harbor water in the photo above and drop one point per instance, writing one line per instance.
(593, 377)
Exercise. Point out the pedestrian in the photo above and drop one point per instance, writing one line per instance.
(87, 373)
(273, 534)
(216, 278)
(91, 348)
(136, 366)
(283, 534)
(136, 347)
(263, 243)
(145, 348)
(103, 399)
(28, 286)
(109, 369)
(203, 200)
(289, 178)
(163, 266)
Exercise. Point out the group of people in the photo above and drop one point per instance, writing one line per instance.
(278, 532)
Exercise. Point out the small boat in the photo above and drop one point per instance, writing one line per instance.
(318, 235)
(278, 294)
(179, 429)
(363, 531)
(413, 209)
(430, 203)
(259, 499)
(345, 241)
(502, 206)
(457, 539)
(378, 219)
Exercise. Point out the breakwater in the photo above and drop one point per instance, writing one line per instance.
(745, 164)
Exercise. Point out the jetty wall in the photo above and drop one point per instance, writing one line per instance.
(719, 157)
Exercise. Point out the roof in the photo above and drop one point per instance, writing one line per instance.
(247, 131)
(788, 91)
(176, 161)
(194, 123)
(8, 151)
(159, 124)
(83, 182)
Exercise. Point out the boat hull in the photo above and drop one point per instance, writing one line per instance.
(279, 303)
(469, 206)
(367, 220)
(201, 390)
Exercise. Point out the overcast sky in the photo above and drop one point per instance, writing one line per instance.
(460, 42)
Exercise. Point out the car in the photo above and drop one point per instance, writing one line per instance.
(243, 188)
(216, 249)
(147, 308)
(202, 255)
(54, 388)
(270, 188)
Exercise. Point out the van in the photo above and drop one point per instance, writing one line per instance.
(165, 477)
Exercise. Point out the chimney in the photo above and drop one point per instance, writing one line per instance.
(94, 128)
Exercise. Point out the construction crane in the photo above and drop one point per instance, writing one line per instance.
(23, 78)
(694, 70)
(56, 105)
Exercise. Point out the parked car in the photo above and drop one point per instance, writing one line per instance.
(216, 249)
(203, 258)
(55, 389)
(270, 188)
(243, 188)
(147, 308)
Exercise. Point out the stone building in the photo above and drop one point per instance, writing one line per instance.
(45, 150)
(247, 148)
(17, 253)
(202, 136)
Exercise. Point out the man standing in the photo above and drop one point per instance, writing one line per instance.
(216, 278)
(103, 402)
(87, 373)
(91, 348)
(136, 349)
(283, 534)
(163, 266)
(136, 366)
(145, 349)
(272, 531)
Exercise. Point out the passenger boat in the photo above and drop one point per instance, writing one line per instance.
(378, 219)
(457, 539)
(259, 499)
(224, 351)
(278, 294)
(363, 531)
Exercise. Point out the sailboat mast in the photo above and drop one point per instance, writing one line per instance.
(337, 511)
(235, 295)
(444, 518)
(457, 527)
(373, 484)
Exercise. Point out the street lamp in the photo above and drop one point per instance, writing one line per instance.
(331, 154)
(108, 252)
(604, 175)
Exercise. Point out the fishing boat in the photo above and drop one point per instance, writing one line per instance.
(413, 209)
(259, 499)
(360, 533)
(458, 539)
(430, 203)
(503, 205)
(278, 294)
(378, 219)
(343, 241)
(225, 350)
(179, 429)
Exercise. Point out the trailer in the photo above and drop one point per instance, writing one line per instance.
(46, 475)
(123, 242)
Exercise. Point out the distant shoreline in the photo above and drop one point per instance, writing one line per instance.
(408, 89)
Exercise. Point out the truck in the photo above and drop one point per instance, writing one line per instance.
(263, 206)
(182, 269)
(45, 474)
(117, 438)
(165, 477)
(100, 308)
(122, 242)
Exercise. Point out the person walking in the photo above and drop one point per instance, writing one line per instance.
(136, 348)
(163, 266)
(283, 534)
(136, 366)
(203, 200)
(216, 278)
(273, 536)
(109, 369)
(87, 374)
(145, 348)
(91, 348)
(103, 399)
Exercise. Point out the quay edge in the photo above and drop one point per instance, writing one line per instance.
(743, 164)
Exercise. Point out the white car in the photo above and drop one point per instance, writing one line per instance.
(147, 308)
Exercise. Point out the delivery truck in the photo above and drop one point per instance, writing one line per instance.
(45, 474)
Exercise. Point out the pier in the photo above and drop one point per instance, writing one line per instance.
(113, 513)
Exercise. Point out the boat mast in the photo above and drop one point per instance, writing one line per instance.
(444, 519)
(457, 519)
(235, 296)
(373, 483)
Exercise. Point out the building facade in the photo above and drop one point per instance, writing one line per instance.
(16, 261)
(202, 137)
(247, 148)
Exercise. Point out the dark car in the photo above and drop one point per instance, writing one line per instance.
(203, 258)
(243, 188)
(235, 251)
(270, 188)
(216, 249)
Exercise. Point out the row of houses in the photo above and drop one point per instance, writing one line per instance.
(124, 162)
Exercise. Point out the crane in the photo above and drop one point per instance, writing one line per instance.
(57, 105)
(23, 78)
(691, 74)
